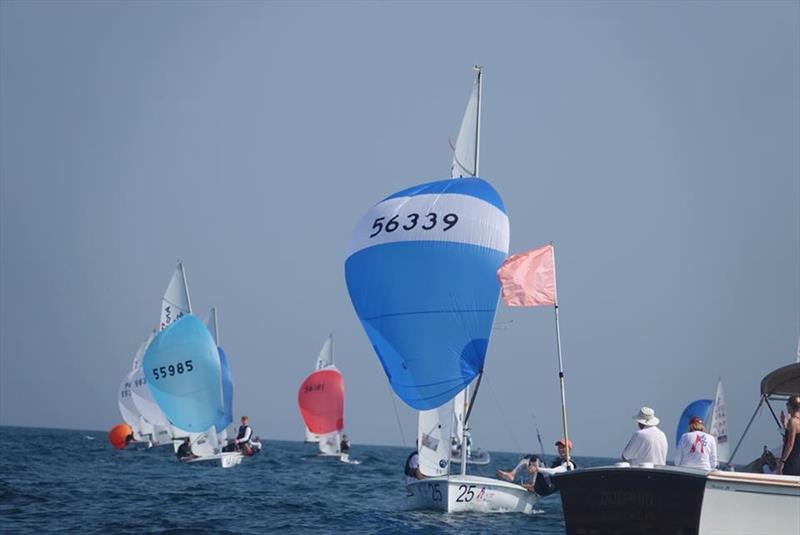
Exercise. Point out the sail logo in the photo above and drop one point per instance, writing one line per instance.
(319, 387)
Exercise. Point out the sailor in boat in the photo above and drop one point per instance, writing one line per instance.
(540, 476)
(185, 450)
(244, 439)
(789, 463)
(411, 469)
(649, 444)
(696, 448)
(344, 445)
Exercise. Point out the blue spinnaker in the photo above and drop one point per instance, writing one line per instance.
(421, 275)
(184, 374)
(700, 408)
(227, 393)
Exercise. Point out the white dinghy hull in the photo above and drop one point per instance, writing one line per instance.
(224, 459)
(455, 494)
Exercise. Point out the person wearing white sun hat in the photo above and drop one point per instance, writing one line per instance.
(649, 444)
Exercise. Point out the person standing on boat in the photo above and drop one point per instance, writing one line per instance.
(696, 448)
(649, 444)
(243, 438)
(789, 463)
(344, 445)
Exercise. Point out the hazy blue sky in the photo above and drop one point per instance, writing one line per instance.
(658, 144)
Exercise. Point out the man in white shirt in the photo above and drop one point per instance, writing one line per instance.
(649, 443)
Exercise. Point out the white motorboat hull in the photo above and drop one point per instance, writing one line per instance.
(669, 500)
(737, 503)
(455, 494)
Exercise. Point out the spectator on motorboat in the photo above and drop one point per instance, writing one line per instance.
(789, 463)
(768, 462)
(696, 448)
(649, 444)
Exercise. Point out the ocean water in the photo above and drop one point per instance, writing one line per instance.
(73, 482)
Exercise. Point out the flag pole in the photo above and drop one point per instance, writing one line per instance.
(560, 360)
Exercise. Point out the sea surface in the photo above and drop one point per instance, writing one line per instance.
(73, 482)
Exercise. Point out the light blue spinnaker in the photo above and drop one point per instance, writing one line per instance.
(421, 275)
(700, 408)
(184, 374)
(227, 393)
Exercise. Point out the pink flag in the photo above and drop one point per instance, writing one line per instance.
(529, 279)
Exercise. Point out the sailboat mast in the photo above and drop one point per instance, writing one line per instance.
(479, 81)
(478, 121)
(185, 286)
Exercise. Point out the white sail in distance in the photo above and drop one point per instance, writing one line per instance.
(175, 302)
(325, 357)
(213, 326)
(465, 150)
(718, 427)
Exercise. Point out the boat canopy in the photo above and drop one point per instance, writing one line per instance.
(784, 381)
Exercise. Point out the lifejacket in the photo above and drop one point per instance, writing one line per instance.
(408, 470)
(243, 431)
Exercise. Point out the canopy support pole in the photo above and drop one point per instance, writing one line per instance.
(746, 429)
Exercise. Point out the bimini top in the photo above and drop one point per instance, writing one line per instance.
(782, 382)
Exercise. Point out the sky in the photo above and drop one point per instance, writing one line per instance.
(656, 143)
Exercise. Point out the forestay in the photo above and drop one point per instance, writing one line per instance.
(421, 275)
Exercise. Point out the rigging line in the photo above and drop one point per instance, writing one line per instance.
(397, 417)
(502, 413)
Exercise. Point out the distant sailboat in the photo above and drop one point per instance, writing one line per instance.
(321, 402)
(186, 383)
(324, 359)
(714, 412)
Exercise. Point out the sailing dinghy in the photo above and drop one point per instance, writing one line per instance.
(185, 379)
(430, 252)
(321, 402)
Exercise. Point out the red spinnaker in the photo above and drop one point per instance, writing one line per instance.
(321, 401)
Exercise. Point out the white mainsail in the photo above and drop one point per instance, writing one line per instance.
(433, 440)
(141, 429)
(325, 357)
(175, 302)
(718, 426)
(465, 150)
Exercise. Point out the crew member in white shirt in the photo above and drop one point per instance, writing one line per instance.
(649, 444)
(697, 449)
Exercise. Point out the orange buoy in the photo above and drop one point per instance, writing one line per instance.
(118, 436)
